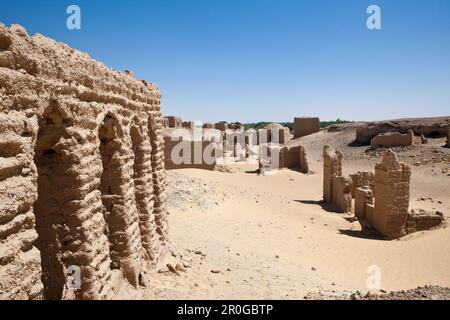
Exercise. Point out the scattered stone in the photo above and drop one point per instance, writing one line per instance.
(172, 269)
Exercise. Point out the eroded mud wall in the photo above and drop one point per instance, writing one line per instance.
(82, 182)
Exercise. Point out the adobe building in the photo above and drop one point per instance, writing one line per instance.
(277, 133)
(392, 180)
(385, 205)
(305, 126)
(336, 188)
(209, 126)
(222, 126)
(428, 127)
(392, 139)
(293, 157)
(236, 126)
(175, 122)
(188, 125)
(362, 179)
(184, 154)
(82, 179)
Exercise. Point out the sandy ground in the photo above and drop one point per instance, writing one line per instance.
(269, 237)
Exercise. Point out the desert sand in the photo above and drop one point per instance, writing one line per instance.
(240, 235)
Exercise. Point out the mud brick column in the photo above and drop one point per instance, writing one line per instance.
(20, 261)
(159, 175)
(332, 166)
(392, 180)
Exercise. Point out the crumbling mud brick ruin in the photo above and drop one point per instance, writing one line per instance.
(209, 126)
(362, 179)
(189, 125)
(384, 205)
(294, 157)
(429, 127)
(392, 139)
(222, 126)
(175, 122)
(381, 199)
(213, 148)
(289, 157)
(305, 126)
(176, 158)
(336, 188)
(82, 180)
(391, 195)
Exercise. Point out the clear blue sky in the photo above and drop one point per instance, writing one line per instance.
(255, 60)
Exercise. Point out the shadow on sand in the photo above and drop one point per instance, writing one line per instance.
(325, 206)
(365, 233)
(358, 144)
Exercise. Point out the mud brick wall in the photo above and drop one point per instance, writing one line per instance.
(332, 166)
(336, 188)
(363, 197)
(393, 139)
(392, 180)
(175, 122)
(20, 260)
(291, 157)
(433, 129)
(189, 125)
(82, 179)
(305, 126)
(421, 220)
(342, 193)
(179, 147)
(362, 179)
(303, 162)
(251, 143)
(208, 126)
(222, 126)
(284, 135)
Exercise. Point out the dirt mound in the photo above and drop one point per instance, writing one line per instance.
(188, 193)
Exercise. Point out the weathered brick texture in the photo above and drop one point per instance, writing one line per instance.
(82, 179)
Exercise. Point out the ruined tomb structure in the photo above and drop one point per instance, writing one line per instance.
(336, 188)
(362, 179)
(392, 180)
(293, 157)
(364, 203)
(208, 126)
(382, 201)
(175, 122)
(222, 126)
(305, 126)
(184, 154)
(392, 139)
(429, 127)
(189, 125)
(82, 179)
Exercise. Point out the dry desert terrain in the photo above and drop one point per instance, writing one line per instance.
(239, 235)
